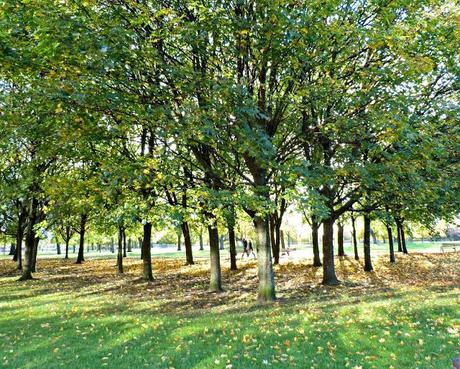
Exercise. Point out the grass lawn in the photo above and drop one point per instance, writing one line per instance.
(85, 316)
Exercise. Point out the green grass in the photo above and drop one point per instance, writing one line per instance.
(64, 321)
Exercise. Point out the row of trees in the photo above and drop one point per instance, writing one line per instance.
(134, 113)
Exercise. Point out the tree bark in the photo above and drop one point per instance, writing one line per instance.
(275, 246)
(215, 282)
(355, 239)
(367, 244)
(130, 246)
(282, 242)
(201, 241)
(232, 243)
(375, 241)
(265, 268)
(12, 250)
(341, 251)
(141, 242)
(315, 243)
(329, 276)
(58, 248)
(124, 243)
(179, 241)
(30, 241)
(187, 243)
(398, 228)
(390, 241)
(18, 254)
(120, 250)
(34, 256)
(66, 249)
(80, 257)
(403, 240)
(146, 253)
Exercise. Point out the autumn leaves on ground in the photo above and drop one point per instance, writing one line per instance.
(85, 316)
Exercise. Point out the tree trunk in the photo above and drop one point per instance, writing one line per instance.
(403, 239)
(278, 237)
(264, 260)
(34, 256)
(215, 283)
(58, 248)
(130, 246)
(18, 254)
(187, 243)
(124, 243)
(398, 228)
(315, 243)
(201, 241)
(355, 239)
(341, 251)
(367, 244)
(80, 257)
(329, 276)
(120, 250)
(275, 249)
(146, 252)
(30, 241)
(283, 244)
(66, 249)
(232, 243)
(12, 250)
(112, 246)
(179, 241)
(141, 247)
(374, 237)
(390, 241)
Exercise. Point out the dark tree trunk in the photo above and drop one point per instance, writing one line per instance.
(232, 243)
(146, 252)
(374, 237)
(58, 248)
(355, 239)
(390, 241)
(179, 241)
(35, 252)
(187, 243)
(18, 255)
(278, 238)
(201, 241)
(12, 250)
(112, 246)
(341, 250)
(398, 228)
(367, 244)
(403, 240)
(130, 246)
(30, 242)
(315, 243)
(215, 282)
(283, 244)
(120, 250)
(66, 249)
(265, 268)
(329, 276)
(82, 231)
(124, 243)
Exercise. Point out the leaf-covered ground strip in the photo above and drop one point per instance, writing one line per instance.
(85, 316)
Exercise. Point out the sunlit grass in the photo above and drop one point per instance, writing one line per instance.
(95, 319)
